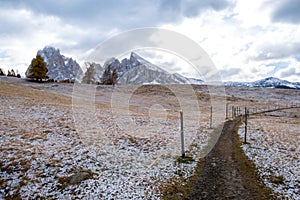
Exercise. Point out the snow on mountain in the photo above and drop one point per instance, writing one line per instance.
(141, 74)
(137, 70)
(195, 81)
(115, 64)
(269, 82)
(59, 67)
(275, 83)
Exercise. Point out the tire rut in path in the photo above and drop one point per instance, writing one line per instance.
(219, 177)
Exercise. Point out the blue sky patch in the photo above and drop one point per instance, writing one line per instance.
(3, 54)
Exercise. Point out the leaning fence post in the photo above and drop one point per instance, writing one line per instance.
(246, 125)
(182, 135)
(226, 110)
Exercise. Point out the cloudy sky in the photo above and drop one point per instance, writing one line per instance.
(247, 40)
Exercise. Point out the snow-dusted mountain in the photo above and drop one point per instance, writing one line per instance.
(133, 71)
(59, 67)
(137, 70)
(275, 83)
(269, 82)
(195, 81)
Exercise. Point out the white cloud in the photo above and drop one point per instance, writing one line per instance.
(252, 13)
(245, 39)
(30, 32)
(291, 72)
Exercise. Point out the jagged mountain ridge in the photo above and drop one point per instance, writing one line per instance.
(60, 68)
(136, 70)
(141, 71)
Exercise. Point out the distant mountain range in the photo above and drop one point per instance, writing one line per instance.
(269, 82)
(134, 70)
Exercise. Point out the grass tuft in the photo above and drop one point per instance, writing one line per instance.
(277, 180)
(185, 160)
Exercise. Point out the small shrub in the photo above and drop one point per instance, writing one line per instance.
(277, 180)
(185, 159)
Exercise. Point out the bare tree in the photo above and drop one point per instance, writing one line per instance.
(109, 76)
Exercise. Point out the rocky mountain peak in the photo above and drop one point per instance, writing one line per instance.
(59, 67)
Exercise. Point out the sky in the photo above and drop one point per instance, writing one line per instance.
(246, 40)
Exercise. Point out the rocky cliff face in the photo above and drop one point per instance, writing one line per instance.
(60, 68)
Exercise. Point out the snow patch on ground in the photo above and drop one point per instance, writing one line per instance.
(274, 148)
(40, 147)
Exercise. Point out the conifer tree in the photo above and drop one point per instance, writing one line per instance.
(109, 76)
(114, 77)
(89, 75)
(2, 72)
(37, 69)
(12, 73)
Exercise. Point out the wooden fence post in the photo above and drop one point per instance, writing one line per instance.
(210, 124)
(182, 135)
(226, 110)
(246, 125)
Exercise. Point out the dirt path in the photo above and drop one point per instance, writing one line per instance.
(221, 175)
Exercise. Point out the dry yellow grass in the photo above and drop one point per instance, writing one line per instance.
(11, 89)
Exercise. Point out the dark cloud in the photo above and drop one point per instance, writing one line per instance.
(278, 51)
(229, 72)
(287, 11)
(118, 13)
(191, 8)
(93, 18)
(289, 72)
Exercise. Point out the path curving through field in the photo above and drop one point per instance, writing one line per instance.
(224, 174)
